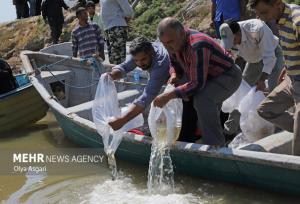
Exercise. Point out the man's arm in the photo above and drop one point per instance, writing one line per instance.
(134, 110)
(158, 77)
(268, 46)
(126, 66)
(100, 41)
(64, 5)
(74, 44)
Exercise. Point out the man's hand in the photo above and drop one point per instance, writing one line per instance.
(117, 124)
(260, 86)
(115, 74)
(163, 99)
(173, 80)
(133, 111)
(281, 76)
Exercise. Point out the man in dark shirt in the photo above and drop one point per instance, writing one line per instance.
(7, 80)
(210, 75)
(22, 8)
(53, 14)
(151, 57)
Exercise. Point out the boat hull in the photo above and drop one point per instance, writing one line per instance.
(21, 107)
(227, 168)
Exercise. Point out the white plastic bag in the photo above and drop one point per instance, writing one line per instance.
(106, 108)
(239, 141)
(165, 123)
(233, 101)
(252, 125)
(135, 122)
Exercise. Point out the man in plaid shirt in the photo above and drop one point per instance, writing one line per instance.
(206, 72)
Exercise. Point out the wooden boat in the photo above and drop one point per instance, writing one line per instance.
(264, 164)
(21, 106)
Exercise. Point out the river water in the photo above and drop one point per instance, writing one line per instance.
(130, 187)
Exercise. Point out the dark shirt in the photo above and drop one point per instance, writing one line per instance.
(87, 40)
(159, 74)
(52, 10)
(201, 58)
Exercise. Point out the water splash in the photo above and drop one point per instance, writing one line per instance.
(112, 164)
(123, 190)
(160, 173)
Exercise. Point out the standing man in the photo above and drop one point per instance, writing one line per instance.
(115, 15)
(257, 45)
(38, 7)
(32, 6)
(287, 94)
(53, 15)
(151, 57)
(86, 37)
(22, 8)
(93, 16)
(211, 75)
(222, 10)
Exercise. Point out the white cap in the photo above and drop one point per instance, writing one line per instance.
(227, 36)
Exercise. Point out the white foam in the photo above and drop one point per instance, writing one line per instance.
(123, 191)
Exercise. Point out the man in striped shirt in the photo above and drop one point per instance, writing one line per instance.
(86, 37)
(275, 107)
(206, 72)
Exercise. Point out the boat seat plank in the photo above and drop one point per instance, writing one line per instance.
(88, 105)
(280, 143)
(61, 75)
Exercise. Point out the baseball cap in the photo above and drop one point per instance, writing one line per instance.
(227, 36)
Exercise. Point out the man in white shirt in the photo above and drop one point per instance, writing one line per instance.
(256, 43)
(115, 15)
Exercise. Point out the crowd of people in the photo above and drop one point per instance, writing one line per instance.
(23, 10)
(205, 72)
(203, 69)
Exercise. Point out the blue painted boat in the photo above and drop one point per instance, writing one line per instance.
(21, 106)
(264, 164)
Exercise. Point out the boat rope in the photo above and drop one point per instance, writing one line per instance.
(97, 67)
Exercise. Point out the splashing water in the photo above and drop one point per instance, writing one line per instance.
(112, 164)
(124, 191)
(160, 173)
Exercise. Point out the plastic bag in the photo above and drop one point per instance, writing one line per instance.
(233, 101)
(106, 108)
(135, 122)
(252, 125)
(239, 141)
(165, 123)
